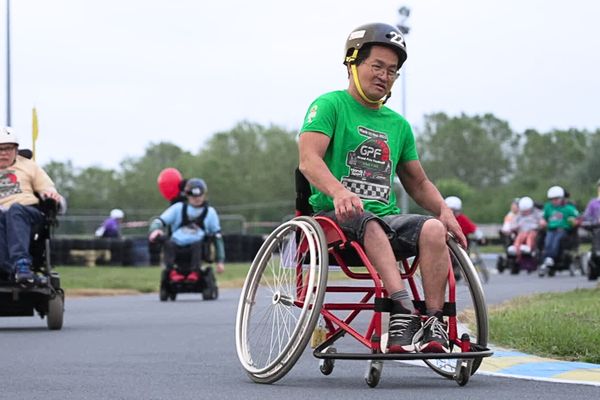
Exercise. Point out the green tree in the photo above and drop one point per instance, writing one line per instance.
(477, 150)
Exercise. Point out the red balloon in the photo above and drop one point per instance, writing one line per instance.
(168, 183)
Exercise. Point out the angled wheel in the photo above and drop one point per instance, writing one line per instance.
(163, 295)
(281, 299)
(55, 311)
(471, 313)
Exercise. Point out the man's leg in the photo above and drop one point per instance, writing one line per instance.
(404, 323)
(195, 261)
(19, 220)
(435, 260)
(5, 265)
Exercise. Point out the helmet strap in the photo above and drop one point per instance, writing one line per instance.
(362, 93)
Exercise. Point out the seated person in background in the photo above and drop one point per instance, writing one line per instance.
(592, 210)
(111, 227)
(508, 224)
(20, 179)
(526, 225)
(189, 222)
(559, 218)
(469, 229)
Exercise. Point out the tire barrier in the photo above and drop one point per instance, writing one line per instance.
(137, 251)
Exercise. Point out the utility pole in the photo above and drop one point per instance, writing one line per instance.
(404, 28)
(8, 97)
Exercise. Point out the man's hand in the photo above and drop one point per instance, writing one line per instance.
(220, 267)
(347, 205)
(155, 234)
(51, 194)
(449, 220)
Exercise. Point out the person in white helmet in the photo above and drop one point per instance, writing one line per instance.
(111, 227)
(559, 218)
(351, 147)
(20, 180)
(527, 224)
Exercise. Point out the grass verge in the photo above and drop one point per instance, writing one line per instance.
(559, 325)
(77, 280)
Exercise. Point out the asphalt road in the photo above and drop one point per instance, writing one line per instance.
(136, 347)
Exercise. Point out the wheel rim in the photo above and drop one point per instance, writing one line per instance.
(276, 315)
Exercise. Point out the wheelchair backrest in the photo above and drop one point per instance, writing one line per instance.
(303, 192)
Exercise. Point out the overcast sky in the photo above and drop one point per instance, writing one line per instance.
(109, 77)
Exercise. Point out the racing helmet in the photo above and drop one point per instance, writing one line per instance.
(7, 135)
(117, 213)
(453, 203)
(555, 192)
(525, 203)
(375, 33)
(195, 187)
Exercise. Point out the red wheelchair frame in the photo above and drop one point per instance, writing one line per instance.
(283, 299)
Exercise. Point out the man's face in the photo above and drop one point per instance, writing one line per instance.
(377, 73)
(8, 154)
(195, 201)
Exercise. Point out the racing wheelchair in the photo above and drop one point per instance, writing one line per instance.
(206, 282)
(46, 297)
(287, 299)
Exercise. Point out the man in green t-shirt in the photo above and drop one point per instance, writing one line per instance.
(560, 217)
(351, 147)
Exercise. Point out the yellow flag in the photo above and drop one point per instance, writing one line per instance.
(34, 134)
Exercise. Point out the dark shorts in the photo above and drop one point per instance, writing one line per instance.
(403, 230)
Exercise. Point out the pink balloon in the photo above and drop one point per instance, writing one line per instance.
(168, 183)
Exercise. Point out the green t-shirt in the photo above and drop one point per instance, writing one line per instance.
(558, 216)
(365, 149)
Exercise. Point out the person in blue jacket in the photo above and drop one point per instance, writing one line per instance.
(190, 222)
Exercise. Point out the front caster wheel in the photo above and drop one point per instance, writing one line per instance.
(326, 364)
(373, 373)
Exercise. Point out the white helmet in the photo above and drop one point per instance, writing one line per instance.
(525, 204)
(454, 203)
(556, 192)
(117, 213)
(8, 136)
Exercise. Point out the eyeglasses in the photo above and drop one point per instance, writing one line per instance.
(194, 194)
(7, 149)
(380, 70)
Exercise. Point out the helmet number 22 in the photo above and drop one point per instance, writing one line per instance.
(395, 37)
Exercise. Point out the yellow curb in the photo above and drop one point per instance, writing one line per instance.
(589, 375)
(493, 364)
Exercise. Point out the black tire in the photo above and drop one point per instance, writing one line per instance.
(56, 309)
(593, 268)
(500, 264)
(163, 295)
(173, 296)
(210, 291)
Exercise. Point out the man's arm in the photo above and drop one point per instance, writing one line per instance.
(312, 147)
(425, 194)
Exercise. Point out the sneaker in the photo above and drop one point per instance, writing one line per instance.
(434, 338)
(23, 272)
(175, 276)
(192, 277)
(41, 280)
(403, 333)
